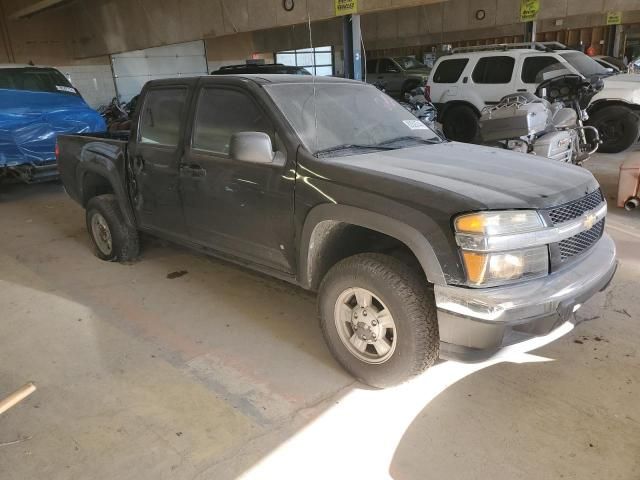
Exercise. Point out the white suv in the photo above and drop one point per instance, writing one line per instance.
(463, 83)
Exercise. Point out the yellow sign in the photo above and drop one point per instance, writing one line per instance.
(529, 10)
(614, 18)
(346, 7)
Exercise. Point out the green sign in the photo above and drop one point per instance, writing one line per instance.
(529, 10)
(346, 7)
(614, 18)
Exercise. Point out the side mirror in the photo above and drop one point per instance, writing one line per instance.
(253, 147)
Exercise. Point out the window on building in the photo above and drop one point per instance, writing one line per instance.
(449, 71)
(498, 69)
(318, 60)
(161, 116)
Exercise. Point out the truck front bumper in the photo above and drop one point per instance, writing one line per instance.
(476, 323)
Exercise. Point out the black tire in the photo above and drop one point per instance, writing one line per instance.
(124, 239)
(411, 304)
(618, 127)
(460, 123)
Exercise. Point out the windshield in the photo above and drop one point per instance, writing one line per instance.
(35, 80)
(586, 65)
(410, 63)
(348, 119)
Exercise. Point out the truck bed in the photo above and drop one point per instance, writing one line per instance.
(76, 151)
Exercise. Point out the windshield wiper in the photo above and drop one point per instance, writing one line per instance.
(409, 138)
(351, 146)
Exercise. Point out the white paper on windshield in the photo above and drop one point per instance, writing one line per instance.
(415, 125)
(65, 89)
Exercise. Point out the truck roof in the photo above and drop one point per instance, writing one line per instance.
(263, 79)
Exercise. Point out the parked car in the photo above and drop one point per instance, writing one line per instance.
(634, 66)
(418, 247)
(400, 75)
(463, 83)
(36, 104)
(262, 68)
(607, 61)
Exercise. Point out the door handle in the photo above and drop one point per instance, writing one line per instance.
(193, 170)
(522, 90)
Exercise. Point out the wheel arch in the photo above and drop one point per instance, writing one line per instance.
(97, 175)
(323, 231)
(456, 103)
(600, 104)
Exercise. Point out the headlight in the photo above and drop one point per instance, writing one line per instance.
(477, 233)
(499, 223)
(486, 269)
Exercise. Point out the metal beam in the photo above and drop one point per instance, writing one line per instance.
(34, 8)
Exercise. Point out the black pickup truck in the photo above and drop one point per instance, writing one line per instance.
(418, 247)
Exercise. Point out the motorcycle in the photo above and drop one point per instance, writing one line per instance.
(418, 103)
(118, 115)
(549, 123)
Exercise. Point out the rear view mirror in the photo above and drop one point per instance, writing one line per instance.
(254, 147)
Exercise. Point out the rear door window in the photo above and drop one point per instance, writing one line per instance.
(221, 113)
(498, 69)
(372, 66)
(162, 115)
(449, 71)
(533, 66)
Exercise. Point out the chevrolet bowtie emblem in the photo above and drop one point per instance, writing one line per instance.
(589, 221)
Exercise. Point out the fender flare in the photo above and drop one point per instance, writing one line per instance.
(101, 159)
(327, 215)
(605, 102)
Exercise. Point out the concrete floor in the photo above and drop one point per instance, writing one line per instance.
(222, 373)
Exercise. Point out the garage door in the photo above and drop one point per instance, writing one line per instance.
(132, 70)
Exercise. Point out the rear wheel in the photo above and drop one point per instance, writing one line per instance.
(378, 319)
(618, 127)
(113, 239)
(461, 124)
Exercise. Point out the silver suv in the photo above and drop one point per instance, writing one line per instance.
(398, 75)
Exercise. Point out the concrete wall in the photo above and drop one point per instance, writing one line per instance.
(92, 29)
(456, 20)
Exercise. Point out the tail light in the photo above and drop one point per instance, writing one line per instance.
(57, 151)
(427, 92)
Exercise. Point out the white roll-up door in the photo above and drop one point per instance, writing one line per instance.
(131, 70)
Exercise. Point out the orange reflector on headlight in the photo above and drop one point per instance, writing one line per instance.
(476, 266)
(471, 223)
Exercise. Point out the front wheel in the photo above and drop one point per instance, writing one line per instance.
(618, 127)
(379, 320)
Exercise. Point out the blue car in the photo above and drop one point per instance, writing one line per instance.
(37, 104)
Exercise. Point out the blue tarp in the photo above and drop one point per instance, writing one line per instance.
(31, 121)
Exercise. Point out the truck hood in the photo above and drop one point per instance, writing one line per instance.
(474, 177)
(624, 86)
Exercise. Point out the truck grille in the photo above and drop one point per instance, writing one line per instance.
(573, 210)
(583, 241)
